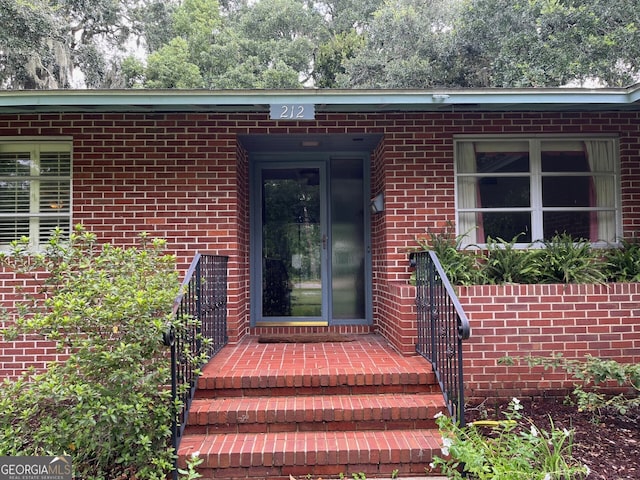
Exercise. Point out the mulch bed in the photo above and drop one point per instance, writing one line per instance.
(608, 444)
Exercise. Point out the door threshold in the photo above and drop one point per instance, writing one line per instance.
(292, 324)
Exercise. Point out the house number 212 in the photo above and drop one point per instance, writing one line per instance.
(292, 111)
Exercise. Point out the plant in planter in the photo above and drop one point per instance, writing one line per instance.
(462, 265)
(567, 260)
(504, 263)
(623, 264)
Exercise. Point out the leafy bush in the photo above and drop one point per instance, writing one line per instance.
(562, 259)
(460, 265)
(566, 260)
(623, 264)
(107, 406)
(595, 376)
(506, 264)
(510, 449)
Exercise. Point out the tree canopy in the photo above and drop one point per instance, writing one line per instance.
(218, 44)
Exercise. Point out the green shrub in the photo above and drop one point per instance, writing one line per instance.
(460, 265)
(562, 259)
(108, 405)
(593, 377)
(623, 264)
(510, 449)
(505, 263)
(567, 260)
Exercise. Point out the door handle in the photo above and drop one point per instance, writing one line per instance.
(324, 241)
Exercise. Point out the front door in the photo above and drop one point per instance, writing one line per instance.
(309, 245)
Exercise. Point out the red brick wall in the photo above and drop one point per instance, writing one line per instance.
(183, 176)
(397, 315)
(518, 320)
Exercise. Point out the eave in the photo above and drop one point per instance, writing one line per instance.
(325, 101)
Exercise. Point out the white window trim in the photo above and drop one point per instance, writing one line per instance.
(37, 145)
(535, 141)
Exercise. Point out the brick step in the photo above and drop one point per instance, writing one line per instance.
(295, 383)
(319, 413)
(273, 410)
(280, 454)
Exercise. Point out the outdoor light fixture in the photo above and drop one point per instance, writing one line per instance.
(377, 203)
(439, 97)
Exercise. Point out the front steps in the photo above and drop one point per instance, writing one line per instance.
(313, 409)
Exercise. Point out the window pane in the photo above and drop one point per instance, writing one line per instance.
(568, 192)
(35, 180)
(55, 164)
(564, 161)
(15, 164)
(13, 229)
(505, 225)
(48, 224)
(504, 192)
(492, 157)
(503, 162)
(576, 224)
(14, 197)
(54, 197)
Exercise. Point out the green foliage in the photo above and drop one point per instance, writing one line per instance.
(407, 46)
(505, 263)
(623, 264)
(510, 449)
(567, 260)
(562, 259)
(170, 67)
(460, 265)
(191, 472)
(332, 56)
(32, 44)
(326, 43)
(595, 375)
(107, 308)
(43, 43)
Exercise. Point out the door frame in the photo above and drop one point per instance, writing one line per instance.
(257, 162)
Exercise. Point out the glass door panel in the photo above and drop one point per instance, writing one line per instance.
(347, 239)
(293, 242)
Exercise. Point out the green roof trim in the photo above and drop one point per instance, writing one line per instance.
(564, 99)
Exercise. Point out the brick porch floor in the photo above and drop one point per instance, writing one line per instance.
(268, 410)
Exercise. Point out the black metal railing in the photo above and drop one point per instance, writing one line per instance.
(201, 310)
(442, 326)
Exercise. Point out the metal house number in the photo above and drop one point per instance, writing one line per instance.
(292, 111)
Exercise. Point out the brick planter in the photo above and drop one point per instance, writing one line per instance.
(517, 320)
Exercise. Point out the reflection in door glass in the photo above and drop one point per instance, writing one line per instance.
(347, 239)
(291, 243)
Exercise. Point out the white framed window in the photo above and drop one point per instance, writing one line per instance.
(534, 188)
(35, 189)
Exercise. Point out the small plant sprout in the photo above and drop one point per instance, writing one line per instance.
(190, 473)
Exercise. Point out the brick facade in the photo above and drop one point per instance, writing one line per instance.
(184, 177)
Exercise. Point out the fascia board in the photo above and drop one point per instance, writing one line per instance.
(365, 100)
